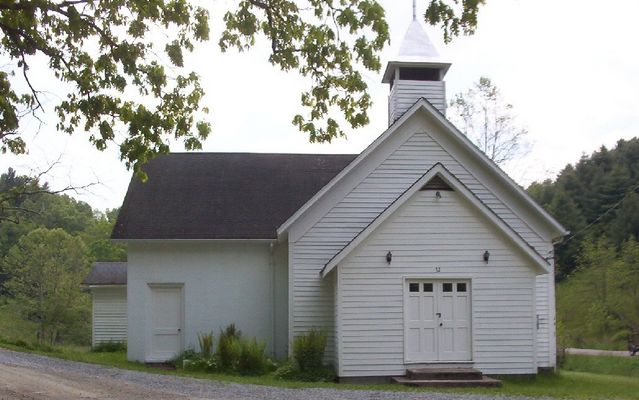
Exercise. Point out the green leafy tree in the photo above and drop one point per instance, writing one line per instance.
(50, 210)
(106, 52)
(46, 268)
(488, 120)
(598, 196)
(97, 234)
(123, 63)
(583, 300)
(322, 40)
(14, 191)
(562, 204)
(122, 66)
(598, 304)
(454, 17)
(625, 222)
(624, 298)
(60, 211)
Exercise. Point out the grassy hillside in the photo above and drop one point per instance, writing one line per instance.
(607, 365)
(12, 325)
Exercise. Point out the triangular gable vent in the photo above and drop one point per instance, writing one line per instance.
(437, 183)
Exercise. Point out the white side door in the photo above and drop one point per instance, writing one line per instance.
(437, 326)
(166, 323)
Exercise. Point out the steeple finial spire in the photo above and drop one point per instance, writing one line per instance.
(414, 10)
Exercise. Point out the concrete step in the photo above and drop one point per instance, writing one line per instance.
(450, 383)
(464, 374)
(161, 365)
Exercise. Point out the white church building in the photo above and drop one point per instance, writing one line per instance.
(418, 251)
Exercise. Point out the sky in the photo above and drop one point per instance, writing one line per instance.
(570, 68)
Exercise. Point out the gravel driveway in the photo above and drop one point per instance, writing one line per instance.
(30, 376)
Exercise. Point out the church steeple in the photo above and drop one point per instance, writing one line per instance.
(418, 71)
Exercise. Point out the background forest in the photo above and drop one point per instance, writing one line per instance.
(49, 241)
(47, 244)
(598, 263)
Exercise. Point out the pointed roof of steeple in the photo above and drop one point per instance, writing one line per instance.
(417, 44)
(416, 50)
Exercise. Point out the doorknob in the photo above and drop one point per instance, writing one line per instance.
(179, 329)
(441, 324)
(439, 315)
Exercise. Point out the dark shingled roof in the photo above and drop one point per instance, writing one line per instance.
(106, 273)
(222, 195)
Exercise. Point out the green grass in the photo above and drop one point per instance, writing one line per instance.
(608, 365)
(12, 326)
(563, 385)
(583, 377)
(572, 385)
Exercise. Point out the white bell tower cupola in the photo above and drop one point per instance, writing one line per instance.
(417, 72)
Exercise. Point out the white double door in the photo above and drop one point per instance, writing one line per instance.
(437, 320)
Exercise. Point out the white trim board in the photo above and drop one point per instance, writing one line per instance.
(439, 170)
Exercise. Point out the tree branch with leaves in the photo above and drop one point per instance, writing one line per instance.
(454, 17)
(105, 52)
(123, 62)
(325, 41)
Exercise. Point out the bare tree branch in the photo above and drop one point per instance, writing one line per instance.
(12, 207)
(487, 119)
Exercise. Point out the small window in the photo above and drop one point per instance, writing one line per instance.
(428, 287)
(461, 287)
(413, 287)
(448, 287)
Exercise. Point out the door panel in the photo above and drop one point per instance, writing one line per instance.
(166, 320)
(429, 325)
(414, 308)
(438, 320)
(421, 334)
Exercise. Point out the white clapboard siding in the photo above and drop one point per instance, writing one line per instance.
(502, 316)
(545, 306)
(109, 314)
(406, 93)
(312, 302)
